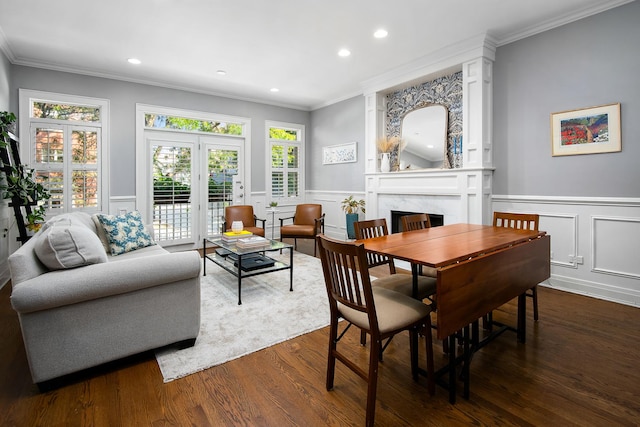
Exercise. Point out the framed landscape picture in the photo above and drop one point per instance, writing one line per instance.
(586, 131)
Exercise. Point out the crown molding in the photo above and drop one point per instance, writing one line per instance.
(436, 64)
(4, 47)
(559, 21)
(91, 73)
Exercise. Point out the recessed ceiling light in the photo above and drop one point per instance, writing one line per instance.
(380, 34)
(344, 53)
(134, 61)
(221, 72)
(274, 89)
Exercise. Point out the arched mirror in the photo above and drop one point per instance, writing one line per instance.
(424, 131)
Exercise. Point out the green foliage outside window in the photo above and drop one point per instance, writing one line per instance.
(81, 113)
(158, 121)
(284, 134)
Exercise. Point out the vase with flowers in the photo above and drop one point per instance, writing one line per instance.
(387, 145)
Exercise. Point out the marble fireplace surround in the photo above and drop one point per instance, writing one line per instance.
(462, 194)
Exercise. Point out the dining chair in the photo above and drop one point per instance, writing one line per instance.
(519, 222)
(398, 282)
(415, 222)
(308, 222)
(245, 214)
(380, 312)
(419, 222)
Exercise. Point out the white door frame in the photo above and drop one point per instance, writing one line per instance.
(143, 190)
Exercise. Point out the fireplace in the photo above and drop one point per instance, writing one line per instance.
(396, 223)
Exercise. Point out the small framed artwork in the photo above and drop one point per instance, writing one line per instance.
(340, 153)
(586, 131)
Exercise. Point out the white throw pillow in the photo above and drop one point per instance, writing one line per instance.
(61, 247)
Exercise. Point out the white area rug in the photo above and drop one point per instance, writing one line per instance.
(269, 314)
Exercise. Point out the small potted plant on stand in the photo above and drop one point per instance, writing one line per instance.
(351, 206)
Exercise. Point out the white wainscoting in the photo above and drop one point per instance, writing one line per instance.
(595, 243)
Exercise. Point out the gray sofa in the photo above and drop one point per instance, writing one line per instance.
(112, 307)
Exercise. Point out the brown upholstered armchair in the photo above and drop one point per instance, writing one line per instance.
(308, 222)
(245, 214)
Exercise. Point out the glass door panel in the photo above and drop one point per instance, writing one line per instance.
(225, 180)
(172, 184)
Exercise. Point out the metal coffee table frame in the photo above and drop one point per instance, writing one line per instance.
(229, 266)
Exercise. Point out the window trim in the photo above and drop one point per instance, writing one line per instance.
(301, 141)
(25, 100)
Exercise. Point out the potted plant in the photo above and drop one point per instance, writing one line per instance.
(7, 123)
(273, 205)
(22, 187)
(351, 206)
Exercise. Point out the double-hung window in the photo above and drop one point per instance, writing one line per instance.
(285, 162)
(63, 139)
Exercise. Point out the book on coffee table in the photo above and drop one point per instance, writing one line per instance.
(255, 262)
(253, 242)
(232, 236)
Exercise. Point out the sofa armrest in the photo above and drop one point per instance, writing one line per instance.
(65, 287)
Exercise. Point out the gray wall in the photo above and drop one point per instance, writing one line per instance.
(337, 124)
(123, 97)
(5, 66)
(594, 61)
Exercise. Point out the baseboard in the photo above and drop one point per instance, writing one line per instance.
(5, 274)
(594, 289)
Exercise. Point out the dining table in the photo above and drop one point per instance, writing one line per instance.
(479, 268)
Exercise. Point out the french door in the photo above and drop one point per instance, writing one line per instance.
(224, 184)
(194, 177)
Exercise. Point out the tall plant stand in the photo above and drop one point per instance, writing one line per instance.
(9, 159)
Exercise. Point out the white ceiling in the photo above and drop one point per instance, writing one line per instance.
(288, 44)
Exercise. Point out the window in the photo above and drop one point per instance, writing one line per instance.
(161, 121)
(285, 162)
(64, 141)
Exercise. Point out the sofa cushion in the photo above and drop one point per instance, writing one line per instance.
(101, 233)
(72, 218)
(125, 232)
(61, 247)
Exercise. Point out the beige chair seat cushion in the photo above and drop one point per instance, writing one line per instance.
(429, 271)
(394, 310)
(298, 230)
(403, 283)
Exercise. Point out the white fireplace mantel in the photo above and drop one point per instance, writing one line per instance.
(462, 194)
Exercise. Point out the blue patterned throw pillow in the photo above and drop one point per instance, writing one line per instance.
(125, 233)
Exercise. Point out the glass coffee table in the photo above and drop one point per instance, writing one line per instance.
(229, 257)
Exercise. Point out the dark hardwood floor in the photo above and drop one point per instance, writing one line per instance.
(578, 367)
